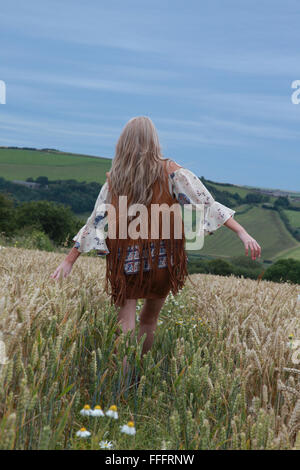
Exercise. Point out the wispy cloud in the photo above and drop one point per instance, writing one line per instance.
(56, 126)
(213, 125)
(78, 24)
(214, 77)
(95, 83)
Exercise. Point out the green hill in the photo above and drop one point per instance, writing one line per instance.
(232, 189)
(20, 164)
(290, 253)
(294, 218)
(262, 224)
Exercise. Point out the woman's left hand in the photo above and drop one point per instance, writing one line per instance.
(250, 243)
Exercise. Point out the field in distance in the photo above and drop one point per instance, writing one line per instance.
(19, 164)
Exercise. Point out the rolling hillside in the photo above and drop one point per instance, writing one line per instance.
(289, 253)
(19, 164)
(230, 188)
(294, 218)
(264, 225)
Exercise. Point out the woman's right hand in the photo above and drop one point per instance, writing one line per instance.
(63, 270)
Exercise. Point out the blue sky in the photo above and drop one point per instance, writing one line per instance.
(214, 76)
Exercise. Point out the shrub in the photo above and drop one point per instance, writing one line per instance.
(282, 201)
(198, 266)
(7, 214)
(284, 270)
(32, 238)
(245, 262)
(56, 220)
(219, 266)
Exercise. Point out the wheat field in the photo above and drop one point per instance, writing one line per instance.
(222, 373)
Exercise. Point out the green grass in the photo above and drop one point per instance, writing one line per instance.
(292, 253)
(231, 189)
(262, 224)
(294, 218)
(21, 164)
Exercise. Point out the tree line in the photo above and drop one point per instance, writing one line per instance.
(283, 270)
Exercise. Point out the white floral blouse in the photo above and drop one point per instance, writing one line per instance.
(187, 189)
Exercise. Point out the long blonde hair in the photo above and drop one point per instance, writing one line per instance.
(137, 163)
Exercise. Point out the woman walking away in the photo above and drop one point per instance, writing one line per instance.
(146, 267)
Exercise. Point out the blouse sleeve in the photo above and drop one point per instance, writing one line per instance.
(189, 189)
(92, 235)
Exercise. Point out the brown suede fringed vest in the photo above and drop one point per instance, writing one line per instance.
(156, 282)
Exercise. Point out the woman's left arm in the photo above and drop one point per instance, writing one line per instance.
(249, 242)
(189, 189)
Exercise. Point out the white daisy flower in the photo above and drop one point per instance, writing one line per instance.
(83, 433)
(128, 428)
(105, 444)
(97, 411)
(86, 410)
(112, 412)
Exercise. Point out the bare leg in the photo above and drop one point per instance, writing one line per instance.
(126, 315)
(126, 318)
(148, 321)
